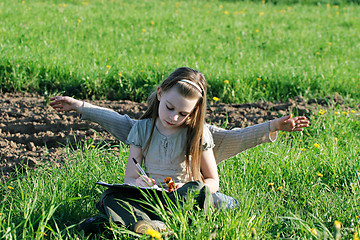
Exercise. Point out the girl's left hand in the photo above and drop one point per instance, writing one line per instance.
(290, 124)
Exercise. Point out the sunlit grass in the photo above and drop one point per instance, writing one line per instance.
(289, 189)
(121, 49)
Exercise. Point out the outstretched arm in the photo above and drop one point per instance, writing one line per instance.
(117, 124)
(229, 143)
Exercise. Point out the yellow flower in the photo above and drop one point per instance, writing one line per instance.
(303, 149)
(152, 23)
(259, 79)
(261, 13)
(279, 188)
(216, 99)
(226, 12)
(356, 236)
(144, 30)
(314, 231)
(337, 113)
(335, 139)
(157, 64)
(120, 74)
(317, 145)
(317, 53)
(271, 184)
(307, 134)
(238, 38)
(221, 6)
(107, 66)
(352, 111)
(92, 146)
(319, 174)
(346, 113)
(226, 81)
(300, 140)
(79, 20)
(10, 187)
(283, 11)
(153, 233)
(337, 225)
(329, 43)
(321, 112)
(257, 30)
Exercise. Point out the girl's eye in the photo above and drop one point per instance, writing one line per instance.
(169, 108)
(183, 115)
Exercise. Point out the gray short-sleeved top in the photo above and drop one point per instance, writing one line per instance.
(166, 154)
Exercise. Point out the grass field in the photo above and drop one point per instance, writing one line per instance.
(296, 188)
(122, 49)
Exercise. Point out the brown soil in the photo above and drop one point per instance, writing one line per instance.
(32, 133)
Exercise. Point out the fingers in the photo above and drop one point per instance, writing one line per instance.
(145, 181)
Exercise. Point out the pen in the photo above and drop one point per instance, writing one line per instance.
(139, 167)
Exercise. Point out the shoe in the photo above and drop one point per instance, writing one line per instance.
(93, 225)
(143, 226)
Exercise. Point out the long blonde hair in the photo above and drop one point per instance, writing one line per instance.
(196, 120)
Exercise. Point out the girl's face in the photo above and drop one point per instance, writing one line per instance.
(174, 109)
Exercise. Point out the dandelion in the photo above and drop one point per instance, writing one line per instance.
(352, 111)
(226, 81)
(283, 11)
(79, 20)
(226, 12)
(271, 184)
(346, 113)
(337, 113)
(157, 64)
(337, 225)
(319, 175)
(303, 149)
(85, 3)
(337, 13)
(143, 30)
(328, 5)
(215, 99)
(261, 13)
(317, 53)
(257, 30)
(120, 74)
(307, 134)
(107, 66)
(238, 38)
(356, 236)
(335, 139)
(314, 231)
(10, 187)
(299, 140)
(141, 70)
(279, 188)
(152, 23)
(23, 2)
(153, 233)
(329, 43)
(317, 145)
(221, 6)
(259, 79)
(321, 112)
(92, 146)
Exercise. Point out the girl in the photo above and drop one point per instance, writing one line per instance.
(171, 139)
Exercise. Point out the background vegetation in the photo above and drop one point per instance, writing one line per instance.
(122, 49)
(296, 188)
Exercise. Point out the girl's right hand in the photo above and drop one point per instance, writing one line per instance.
(64, 103)
(145, 181)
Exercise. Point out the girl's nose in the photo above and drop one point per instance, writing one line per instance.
(174, 117)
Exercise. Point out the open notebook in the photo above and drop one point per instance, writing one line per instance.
(116, 185)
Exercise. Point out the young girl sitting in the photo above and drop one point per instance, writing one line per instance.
(172, 140)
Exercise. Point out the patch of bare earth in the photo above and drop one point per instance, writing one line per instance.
(32, 133)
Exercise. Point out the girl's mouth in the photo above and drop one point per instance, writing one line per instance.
(171, 124)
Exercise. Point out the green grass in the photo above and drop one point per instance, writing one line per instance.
(52, 201)
(265, 51)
